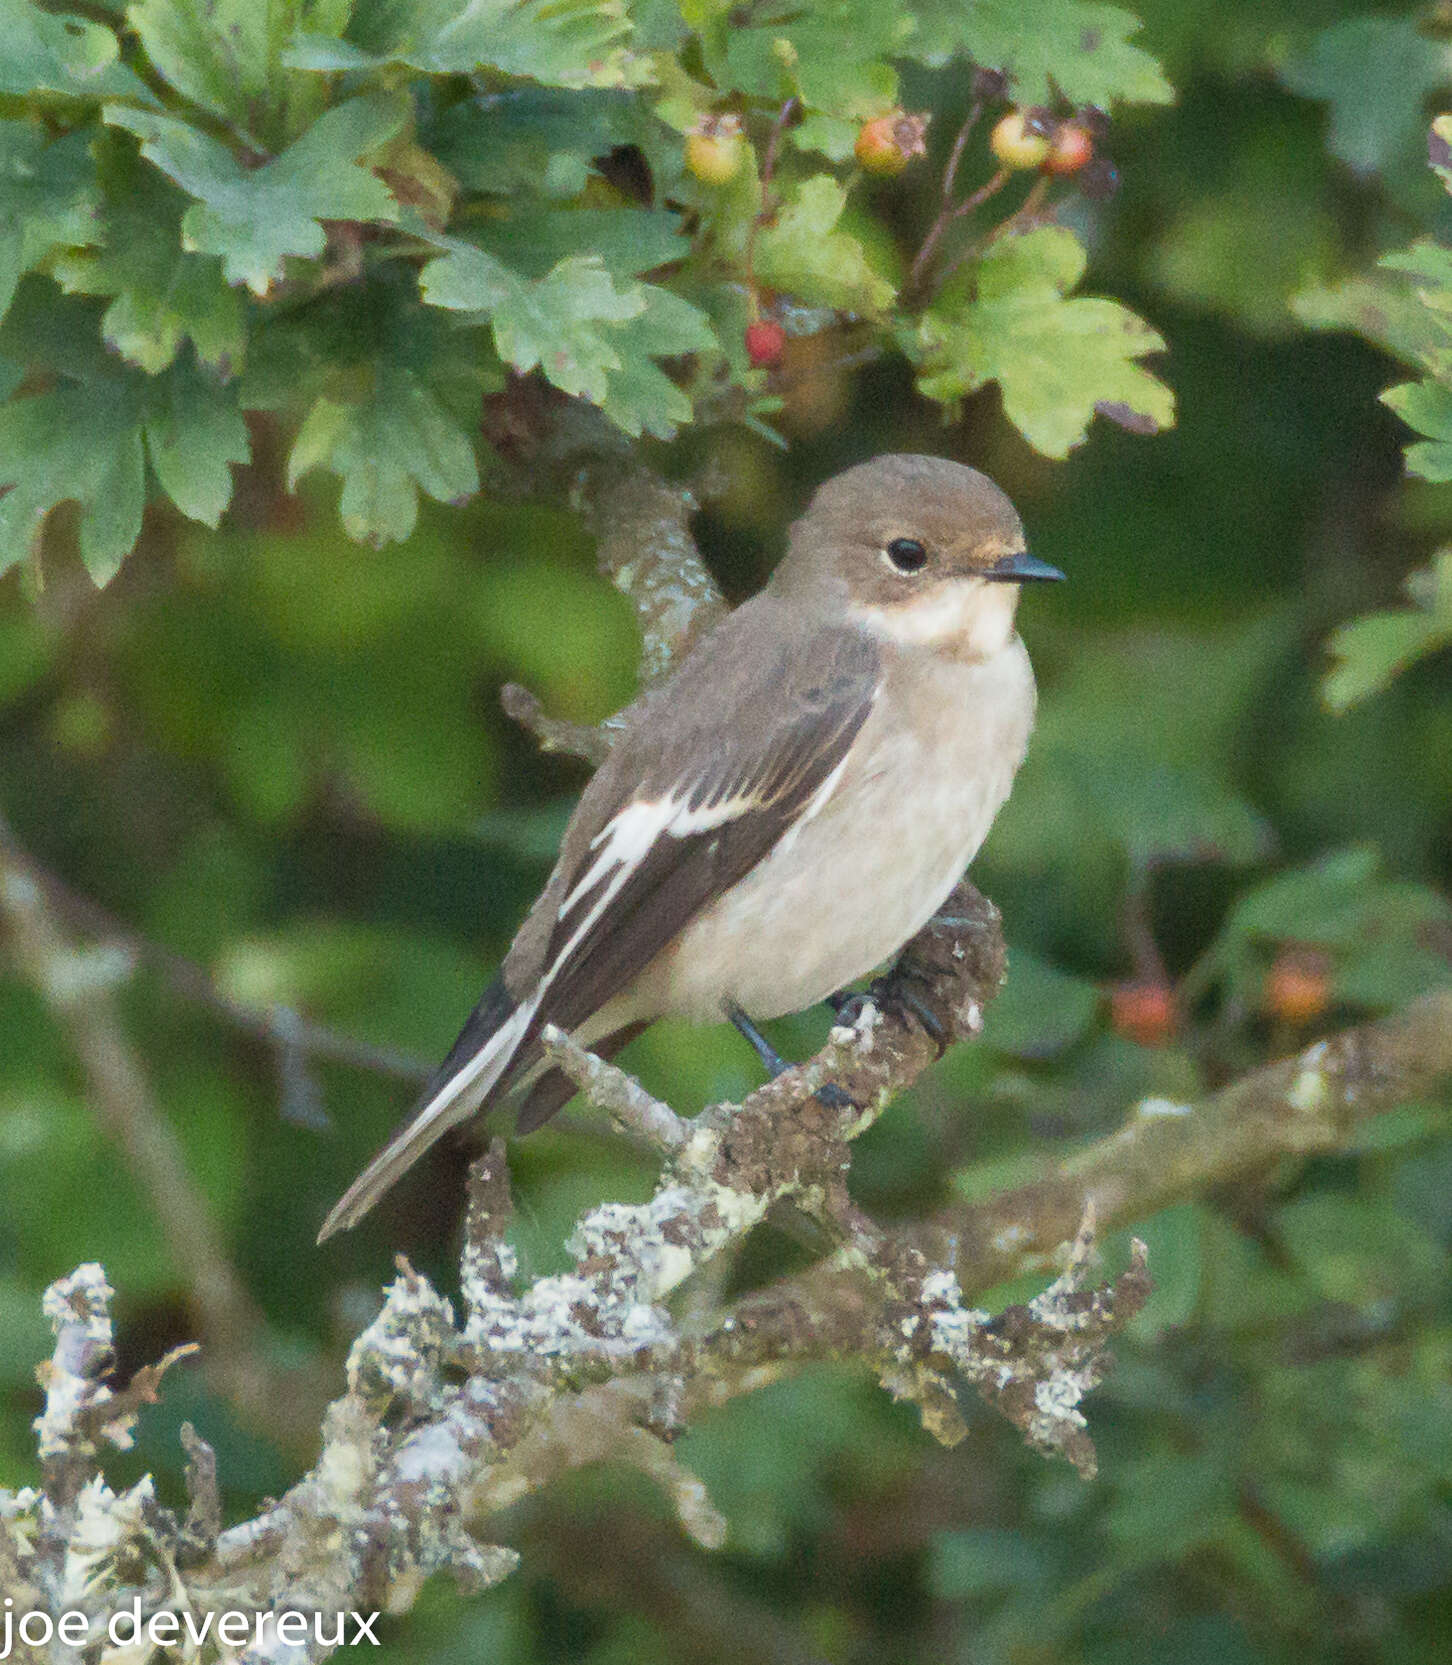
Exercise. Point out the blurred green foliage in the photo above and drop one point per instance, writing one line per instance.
(278, 752)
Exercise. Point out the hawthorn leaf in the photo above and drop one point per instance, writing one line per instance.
(194, 432)
(1375, 74)
(161, 296)
(216, 54)
(832, 55)
(387, 445)
(1083, 52)
(562, 43)
(48, 199)
(558, 322)
(627, 241)
(536, 139)
(640, 397)
(1382, 309)
(1057, 359)
(1370, 651)
(805, 254)
(58, 52)
(1427, 407)
(81, 444)
(255, 218)
(1429, 261)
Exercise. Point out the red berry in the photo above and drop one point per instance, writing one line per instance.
(1298, 985)
(716, 149)
(1021, 139)
(1069, 149)
(888, 143)
(765, 343)
(1143, 1012)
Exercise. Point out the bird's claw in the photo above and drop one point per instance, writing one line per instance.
(890, 994)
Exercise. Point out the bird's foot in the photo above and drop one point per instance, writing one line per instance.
(892, 993)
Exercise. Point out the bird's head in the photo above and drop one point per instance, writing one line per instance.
(918, 550)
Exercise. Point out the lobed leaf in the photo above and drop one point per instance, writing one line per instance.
(804, 252)
(253, 219)
(48, 199)
(1370, 651)
(1047, 48)
(1057, 360)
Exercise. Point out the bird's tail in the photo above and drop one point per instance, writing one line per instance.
(477, 1062)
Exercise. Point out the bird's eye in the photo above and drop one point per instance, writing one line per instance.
(906, 554)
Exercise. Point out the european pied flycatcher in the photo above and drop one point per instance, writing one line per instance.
(789, 807)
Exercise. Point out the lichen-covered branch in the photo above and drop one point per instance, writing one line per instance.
(645, 548)
(77, 986)
(1165, 1151)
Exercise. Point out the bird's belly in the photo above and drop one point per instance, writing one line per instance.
(853, 884)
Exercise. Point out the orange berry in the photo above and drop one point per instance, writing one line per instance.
(888, 143)
(716, 149)
(1298, 985)
(1143, 1012)
(1021, 139)
(765, 343)
(1069, 149)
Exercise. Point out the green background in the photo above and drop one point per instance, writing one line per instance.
(279, 754)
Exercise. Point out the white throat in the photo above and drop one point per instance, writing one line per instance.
(967, 617)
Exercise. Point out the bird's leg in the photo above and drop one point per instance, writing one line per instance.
(773, 1062)
(771, 1059)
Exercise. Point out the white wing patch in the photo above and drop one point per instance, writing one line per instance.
(624, 842)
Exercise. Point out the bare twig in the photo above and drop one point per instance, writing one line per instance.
(75, 987)
(946, 213)
(554, 734)
(630, 1106)
(1024, 218)
(767, 211)
(289, 1033)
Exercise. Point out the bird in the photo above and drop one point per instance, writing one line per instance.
(784, 811)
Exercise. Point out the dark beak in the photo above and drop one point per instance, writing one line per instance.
(1022, 568)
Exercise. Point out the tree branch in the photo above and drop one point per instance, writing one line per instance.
(76, 987)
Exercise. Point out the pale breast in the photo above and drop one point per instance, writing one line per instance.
(915, 801)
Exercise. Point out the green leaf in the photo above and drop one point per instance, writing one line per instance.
(216, 54)
(533, 139)
(1083, 51)
(255, 218)
(1382, 309)
(163, 296)
(48, 199)
(1377, 929)
(1375, 73)
(626, 241)
(396, 440)
(1427, 407)
(1056, 360)
(562, 43)
(803, 253)
(194, 430)
(79, 444)
(1370, 651)
(58, 52)
(832, 55)
(640, 397)
(554, 322)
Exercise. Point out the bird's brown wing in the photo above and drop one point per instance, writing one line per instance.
(714, 769)
(687, 807)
